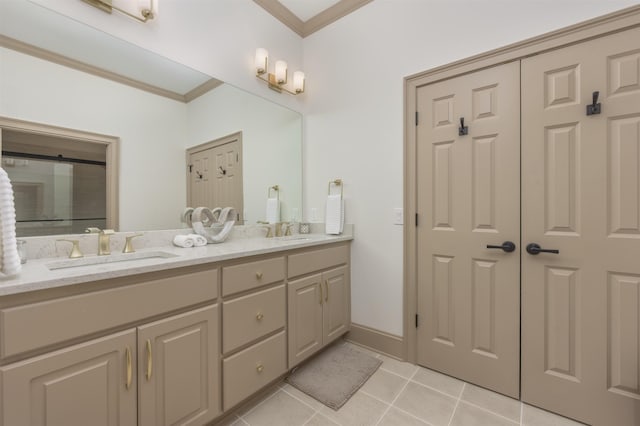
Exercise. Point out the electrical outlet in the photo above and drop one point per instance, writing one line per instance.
(398, 216)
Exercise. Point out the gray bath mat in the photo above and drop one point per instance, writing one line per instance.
(335, 374)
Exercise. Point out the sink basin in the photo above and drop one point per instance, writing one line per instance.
(102, 260)
(293, 238)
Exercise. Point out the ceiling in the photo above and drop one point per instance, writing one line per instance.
(308, 16)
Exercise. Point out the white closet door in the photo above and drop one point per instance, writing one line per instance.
(581, 196)
(468, 192)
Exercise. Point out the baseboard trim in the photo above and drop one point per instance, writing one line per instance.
(376, 340)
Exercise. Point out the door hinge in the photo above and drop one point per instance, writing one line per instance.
(416, 118)
(190, 168)
(416, 320)
(237, 157)
(416, 219)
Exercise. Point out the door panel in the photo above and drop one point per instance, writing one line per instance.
(336, 314)
(85, 384)
(178, 369)
(468, 198)
(304, 318)
(580, 182)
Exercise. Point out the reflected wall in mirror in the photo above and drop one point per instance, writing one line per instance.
(153, 131)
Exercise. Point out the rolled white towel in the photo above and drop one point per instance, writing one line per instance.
(183, 241)
(198, 240)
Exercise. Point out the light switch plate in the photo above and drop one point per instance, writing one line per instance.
(398, 216)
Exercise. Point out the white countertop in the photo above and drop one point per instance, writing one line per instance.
(35, 274)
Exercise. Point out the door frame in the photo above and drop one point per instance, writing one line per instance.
(607, 24)
(232, 137)
(111, 144)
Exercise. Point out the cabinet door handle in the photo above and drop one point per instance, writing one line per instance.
(326, 293)
(320, 286)
(149, 360)
(259, 275)
(129, 371)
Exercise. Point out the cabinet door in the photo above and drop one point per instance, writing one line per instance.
(87, 384)
(337, 304)
(305, 318)
(178, 369)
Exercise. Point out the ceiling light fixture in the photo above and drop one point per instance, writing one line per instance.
(278, 80)
(145, 13)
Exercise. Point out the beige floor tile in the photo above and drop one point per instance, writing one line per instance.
(296, 393)
(384, 385)
(400, 368)
(426, 404)
(500, 404)
(395, 417)
(280, 409)
(468, 415)
(247, 408)
(360, 410)
(533, 416)
(439, 381)
(320, 420)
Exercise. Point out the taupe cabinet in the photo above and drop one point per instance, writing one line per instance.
(157, 373)
(319, 301)
(170, 347)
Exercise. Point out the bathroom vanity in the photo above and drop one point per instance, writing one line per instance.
(166, 340)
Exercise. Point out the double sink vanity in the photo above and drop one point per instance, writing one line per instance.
(166, 335)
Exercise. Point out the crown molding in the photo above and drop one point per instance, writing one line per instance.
(321, 20)
(47, 55)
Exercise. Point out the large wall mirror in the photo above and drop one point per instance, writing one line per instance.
(154, 126)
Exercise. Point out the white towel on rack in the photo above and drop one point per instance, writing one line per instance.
(334, 215)
(9, 258)
(273, 210)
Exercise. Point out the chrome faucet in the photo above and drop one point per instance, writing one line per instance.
(104, 242)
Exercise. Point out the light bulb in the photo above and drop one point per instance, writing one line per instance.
(281, 72)
(262, 56)
(298, 81)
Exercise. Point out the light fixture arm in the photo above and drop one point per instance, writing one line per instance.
(106, 6)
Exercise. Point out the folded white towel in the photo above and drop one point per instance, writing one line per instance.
(183, 241)
(273, 210)
(9, 258)
(198, 240)
(334, 215)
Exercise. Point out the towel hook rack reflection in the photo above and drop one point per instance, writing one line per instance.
(336, 182)
(275, 188)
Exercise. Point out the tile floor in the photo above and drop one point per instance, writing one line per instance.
(398, 394)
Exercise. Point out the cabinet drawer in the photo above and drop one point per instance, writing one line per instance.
(251, 275)
(32, 326)
(311, 261)
(251, 317)
(253, 368)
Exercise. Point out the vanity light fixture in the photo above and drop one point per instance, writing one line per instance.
(278, 79)
(144, 8)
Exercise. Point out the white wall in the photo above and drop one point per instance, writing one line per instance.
(354, 117)
(151, 130)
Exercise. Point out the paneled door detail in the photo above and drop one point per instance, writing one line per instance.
(468, 246)
(215, 174)
(581, 196)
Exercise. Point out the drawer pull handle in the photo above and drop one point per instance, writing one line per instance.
(326, 292)
(259, 275)
(259, 368)
(259, 316)
(149, 360)
(129, 371)
(320, 286)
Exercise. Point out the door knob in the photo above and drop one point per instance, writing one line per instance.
(507, 247)
(534, 249)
